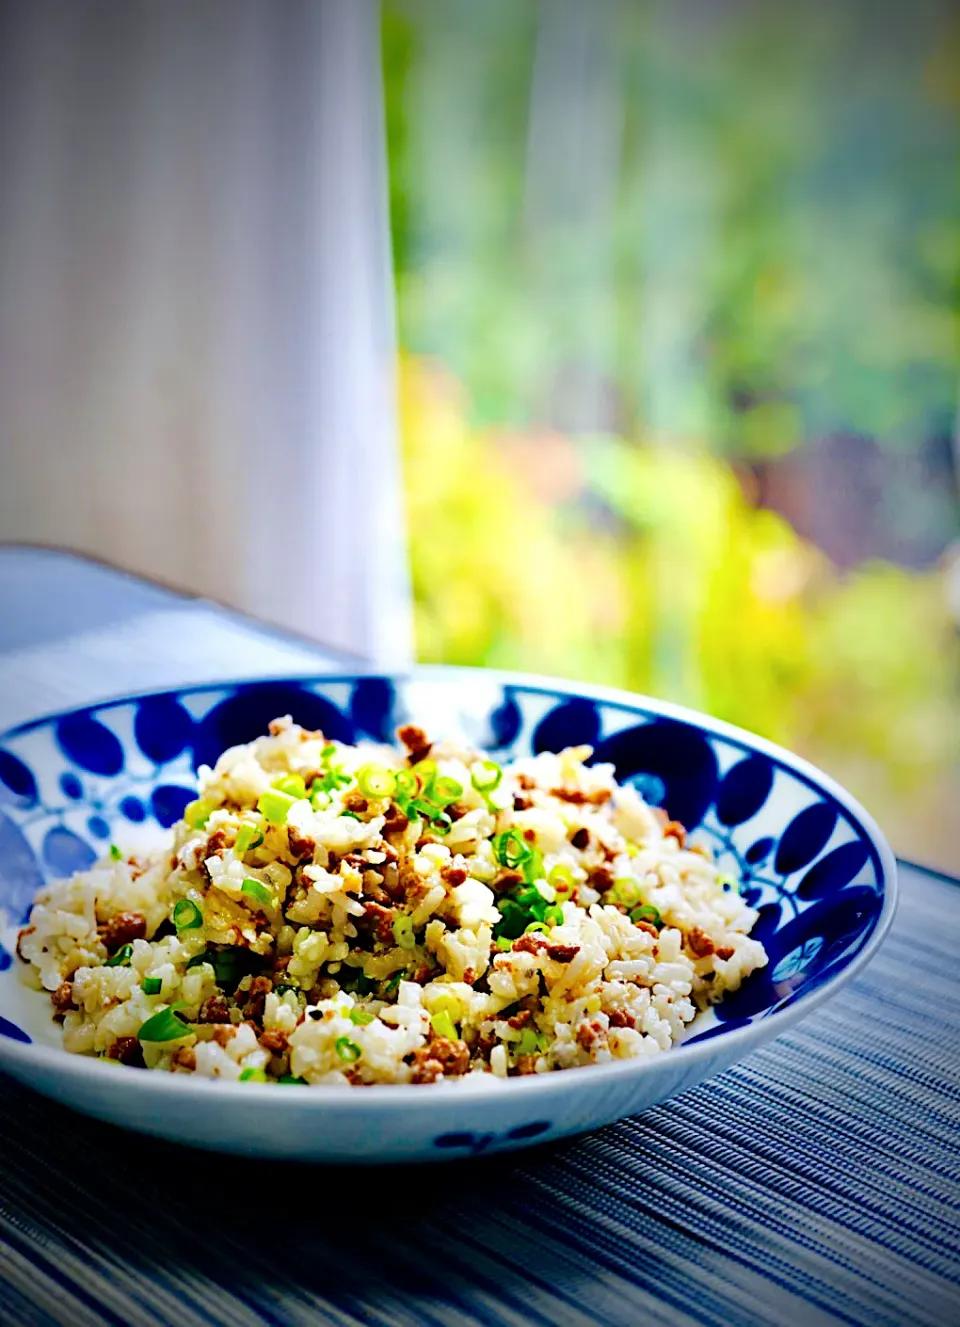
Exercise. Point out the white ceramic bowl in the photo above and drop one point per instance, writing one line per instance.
(812, 861)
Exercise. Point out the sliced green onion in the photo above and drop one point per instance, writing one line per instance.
(648, 913)
(320, 799)
(553, 915)
(376, 781)
(348, 1050)
(349, 815)
(166, 1025)
(443, 1026)
(448, 1004)
(393, 982)
(329, 750)
(503, 944)
(121, 958)
(258, 892)
(229, 964)
(511, 848)
(197, 813)
(407, 784)
(151, 985)
(252, 1076)
(561, 877)
(291, 1080)
(248, 836)
(403, 932)
(427, 772)
(535, 926)
(187, 916)
(485, 776)
(441, 824)
(445, 790)
(532, 866)
(529, 1042)
(361, 1017)
(292, 784)
(115, 853)
(627, 891)
(275, 805)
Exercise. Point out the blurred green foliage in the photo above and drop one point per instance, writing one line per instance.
(585, 384)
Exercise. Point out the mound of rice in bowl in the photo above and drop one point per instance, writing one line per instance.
(345, 914)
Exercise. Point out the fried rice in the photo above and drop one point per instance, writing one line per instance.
(338, 914)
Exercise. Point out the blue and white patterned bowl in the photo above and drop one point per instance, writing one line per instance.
(811, 859)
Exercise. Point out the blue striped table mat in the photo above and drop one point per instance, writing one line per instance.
(817, 1182)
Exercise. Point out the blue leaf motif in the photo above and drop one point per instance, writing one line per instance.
(834, 871)
(168, 801)
(18, 787)
(679, 754)
(90, 744)
(98, 827)
(744, 790)
(8, 1029)
(506, 722)
(65, 852)
(20, 874)
(573, 723)
(131, 808)
(162, 727)
(532, 1130)
(805, 837)
(5, 959)
(758, 851)
(71, 786)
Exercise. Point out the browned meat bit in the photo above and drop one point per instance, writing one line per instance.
(356, 802)
(280, 964)
(62, 997)
(223, 1035)
(526, 1064)
(416, 741)
(530, 944)
(373, 888)
(674, 830)
(588, 1034)
(396, 822)
(700, 942)
(469, 976)
(520, 1019)
(215, 844)
(581, 839)
(184, 1058)
(214, 1010)
(562, 953)
(274, 1041)
(525, 782)
(457, 810)
(619, 1018)
(521, 803)
(277, 726)
(725, 952)
(260, 988)
(646, 926)
(453, 875)
(27, 930)
(508, 880)
(601, 878)
(381, 919)
(530, 835)
(421, 974)
(484, 1045)
(598, 797)
(301, 845)
(123, 929)
(127, 1050)
(441, 1058)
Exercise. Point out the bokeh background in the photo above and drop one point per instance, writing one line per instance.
(678, 312)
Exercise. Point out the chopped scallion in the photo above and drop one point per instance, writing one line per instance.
(115, 853)
(448, 1004)
(275, 805)
(166, 1025)
(376, 781)
(292, 1080)
(258, 892)
(648, 913)
(197, 813)
(530, 1042)
(361, 1017)
(627, 891)
(554, 915)
(347, 1050)
(248, 836)
(121, 958)
(187, 916)
(443, 1026)
(291, 784)
(511, 848)
(403, 932)
(445, 790)
(535, 926)
(486, 775)
(152, 985)
(252, 1076)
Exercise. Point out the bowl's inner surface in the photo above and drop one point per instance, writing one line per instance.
(124, 771)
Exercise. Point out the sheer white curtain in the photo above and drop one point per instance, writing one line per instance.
(196, 324)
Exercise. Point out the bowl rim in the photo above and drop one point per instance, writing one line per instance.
(533, 1087)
